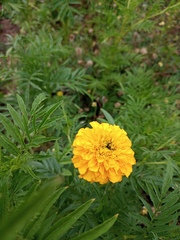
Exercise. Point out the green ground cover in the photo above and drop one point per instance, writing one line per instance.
(67, 63)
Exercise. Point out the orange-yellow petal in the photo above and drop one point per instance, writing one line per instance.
(103, 153)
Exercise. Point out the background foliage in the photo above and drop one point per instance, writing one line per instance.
(71, 62)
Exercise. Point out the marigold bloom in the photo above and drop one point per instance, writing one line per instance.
(103, 153)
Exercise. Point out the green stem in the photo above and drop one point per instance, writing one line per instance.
(68, 127)
(155, 15)
(156, 163)
(128, 29)
(150, 163)
(164, 144)
(128, 3)
(126, 237)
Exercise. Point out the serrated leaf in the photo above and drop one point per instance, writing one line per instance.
(34, 85)
(102, 120)
(154, 193)
(8, 145)
(148, 207)
(22, 107)
(49, 167)
(48, 113)
(10, 128)
(50, 122)
(24, 116)
(66, 172)
(152, 190)
(38, 100)
(97, 231)
(65, 223)
(143, 220)
(22, 181)
(108, 116)
(170, 199)
(163, 221)
(36, 141)
(166, 229)
(167, 181)
(169, 211)
(16, 117)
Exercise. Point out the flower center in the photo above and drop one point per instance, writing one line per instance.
(108, 146)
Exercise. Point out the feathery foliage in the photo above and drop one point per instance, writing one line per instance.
(64, 64)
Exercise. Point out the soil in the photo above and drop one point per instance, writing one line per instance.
(6, 28)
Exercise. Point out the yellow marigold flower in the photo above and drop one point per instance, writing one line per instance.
(103, 153)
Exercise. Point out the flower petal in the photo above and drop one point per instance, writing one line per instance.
(103, 153)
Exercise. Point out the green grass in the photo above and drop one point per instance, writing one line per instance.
(73, 62)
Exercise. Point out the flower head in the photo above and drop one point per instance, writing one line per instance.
(103, 153)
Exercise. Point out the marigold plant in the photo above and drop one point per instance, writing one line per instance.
(103, 153)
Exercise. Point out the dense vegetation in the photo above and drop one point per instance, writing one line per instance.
(72, 62)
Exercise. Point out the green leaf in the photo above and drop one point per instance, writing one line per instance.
(108, 116)
(169, 211)
(4, 197)
(163, 221)
(167, 181)
(38, 100)
(15, 222)
(46, 226)
(50, 122)
(10, 128)
(154, 193)
(36, 223)
(170, 199)
(33, 189)
(142, 219)
(152, 190)
(65, 223)
(22, 106)
(38, 140)
(49, 111)
(22, 181)
(16, 117)
(66, 172)
(148, 207)
(34, 86)
(97, 231)
(24, 116)
(57, 150)
(163, 230)
(8, 145)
